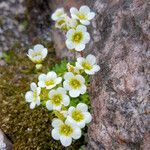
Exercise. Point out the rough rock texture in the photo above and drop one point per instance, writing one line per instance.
(5, 144)
(120, 91)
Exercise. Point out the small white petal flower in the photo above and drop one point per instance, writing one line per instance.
(49, 80)
(77, 38)
(72, 69)
(75, 84)
(37, 54)
(57, 98)
(79, 115)
(59, 13)
(33, 96)
(88, 64)
(66, 23)
(84, 15)
(65, 131)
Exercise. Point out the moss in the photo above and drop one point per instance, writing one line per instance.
(27, 129)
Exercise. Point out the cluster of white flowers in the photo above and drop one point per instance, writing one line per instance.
(75, 27)
(57, 91)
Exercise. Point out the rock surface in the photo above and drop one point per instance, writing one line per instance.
(5, 144)
(120, 91)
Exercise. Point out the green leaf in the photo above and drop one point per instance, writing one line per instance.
(60, 68)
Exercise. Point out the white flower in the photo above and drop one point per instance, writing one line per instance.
(79, 115)
(66, 23)
(49, 80)
(33, 96)
(88, 64)
(57, 98)
(72, 69)
(84, 15)
(65, 131)
(77, 38)
(61, 23)
(59, 13)
(75, 84)
(37, 54)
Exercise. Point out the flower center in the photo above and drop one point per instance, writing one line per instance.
(77, 115)
(60, 22)
(65, 130)
(81, 16)
(56, 99)
(49, 82)
(36, 54)
(86, 65)
(77, 37)
(75, 83)
(44, 94)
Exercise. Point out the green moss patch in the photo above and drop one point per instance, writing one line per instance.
(27, 129)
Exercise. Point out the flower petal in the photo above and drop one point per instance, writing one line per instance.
(44, 52)
(66, 85)
(58, 80)
(42, 77)
(80, 47)
(81, 124)
(51, 75)
(86, 37)
(61, 90)
(49, 105)
(55, 134)
(90, 15)
(71, 108)
(68, 75)
(70, 44)
(38, 101)
(81, 78)
(65, 141)
(74, 93)
(32, 105)
(88, 117)
(81, 28)
(70, 33)
(83, 89)
(33, 86)
(30, 52)
(91, 59)
(73, 10)
(77, 133)
(29, 96)
(84, 9)
(85, 22)
(56, 122)
(96, 68)
(38, 47)
(66, 100)
(41, 84)
(83, 107)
